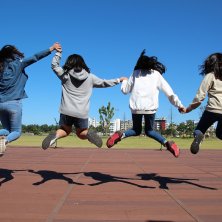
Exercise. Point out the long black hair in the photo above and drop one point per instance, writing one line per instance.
(8, 52)
(213, 63)
(148, 63)
(75, 62)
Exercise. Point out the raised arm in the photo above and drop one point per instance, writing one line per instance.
(56, 64)
(36, 57)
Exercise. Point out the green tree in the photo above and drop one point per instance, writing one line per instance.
(33, 128)
(99, 129)
(190, 126)
(44, 128)
(171, 130)
(106, 114)
(181, 128)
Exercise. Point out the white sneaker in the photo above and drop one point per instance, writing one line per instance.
(2, 145)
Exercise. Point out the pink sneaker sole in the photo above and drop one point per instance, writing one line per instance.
(114, 139)
(173, 148)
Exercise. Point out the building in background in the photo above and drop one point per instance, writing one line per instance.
(117, 124)
(93, 122)
(160, 124)
(127, 124)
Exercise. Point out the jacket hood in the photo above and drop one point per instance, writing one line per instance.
(79, 75)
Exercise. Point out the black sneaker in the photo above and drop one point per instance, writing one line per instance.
(49, 141)
(93, 137)
(195, 146)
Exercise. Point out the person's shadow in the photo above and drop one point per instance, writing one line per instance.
(106, 178)
(53, 175)
(163, 181)
(159, 221)
(7, 175)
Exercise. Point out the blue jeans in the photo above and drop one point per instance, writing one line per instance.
(11, 119)
(149, 125)
(207, 120)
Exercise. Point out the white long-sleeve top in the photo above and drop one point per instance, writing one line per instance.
(144, 87)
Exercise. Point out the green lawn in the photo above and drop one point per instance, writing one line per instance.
(132, 142)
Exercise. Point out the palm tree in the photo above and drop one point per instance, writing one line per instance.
(106, 114)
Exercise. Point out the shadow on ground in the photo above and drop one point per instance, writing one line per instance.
(7, 175)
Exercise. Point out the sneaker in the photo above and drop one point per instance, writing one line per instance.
(173, 148)
(2, 145)
(114, 139)
(93, 137)
(49, 141)
(195, 146)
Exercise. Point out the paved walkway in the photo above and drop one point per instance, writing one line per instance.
(94, 185)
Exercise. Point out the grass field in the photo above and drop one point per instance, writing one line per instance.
(130, 143)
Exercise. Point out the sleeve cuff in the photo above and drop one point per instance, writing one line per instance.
(58, 54)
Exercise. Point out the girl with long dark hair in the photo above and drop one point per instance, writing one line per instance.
(12, 90)
(144, 86)
(211, 85)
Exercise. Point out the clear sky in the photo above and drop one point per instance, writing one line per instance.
(110, 35)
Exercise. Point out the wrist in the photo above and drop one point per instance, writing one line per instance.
(189, 109)
(51, 48)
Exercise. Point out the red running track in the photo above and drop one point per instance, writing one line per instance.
(96, 185)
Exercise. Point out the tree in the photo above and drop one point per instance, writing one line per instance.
(106, 114)
(171, 130)
(181, 128)
(190, 126)
(33, 128)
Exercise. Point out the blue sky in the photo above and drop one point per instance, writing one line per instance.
(110, 35)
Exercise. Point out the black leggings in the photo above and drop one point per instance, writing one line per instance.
(207, 120)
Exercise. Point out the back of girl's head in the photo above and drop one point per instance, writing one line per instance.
(147, 63)
(75, 62)
(213, 63)
(8, 52)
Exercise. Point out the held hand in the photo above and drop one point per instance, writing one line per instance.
(185, 110)
(189, 109)
(182, 110)
(56, 46)
(123, 78)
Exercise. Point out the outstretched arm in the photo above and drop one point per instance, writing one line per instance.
(189, 108)
(201, 94)
(36, 57)
(173, 98)
(103, 83)
(122, 78)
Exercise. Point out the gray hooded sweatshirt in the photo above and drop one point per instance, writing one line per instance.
(77, 89)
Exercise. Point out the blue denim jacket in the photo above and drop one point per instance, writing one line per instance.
(13, 79)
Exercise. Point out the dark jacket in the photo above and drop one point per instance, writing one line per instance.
(13, 78)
